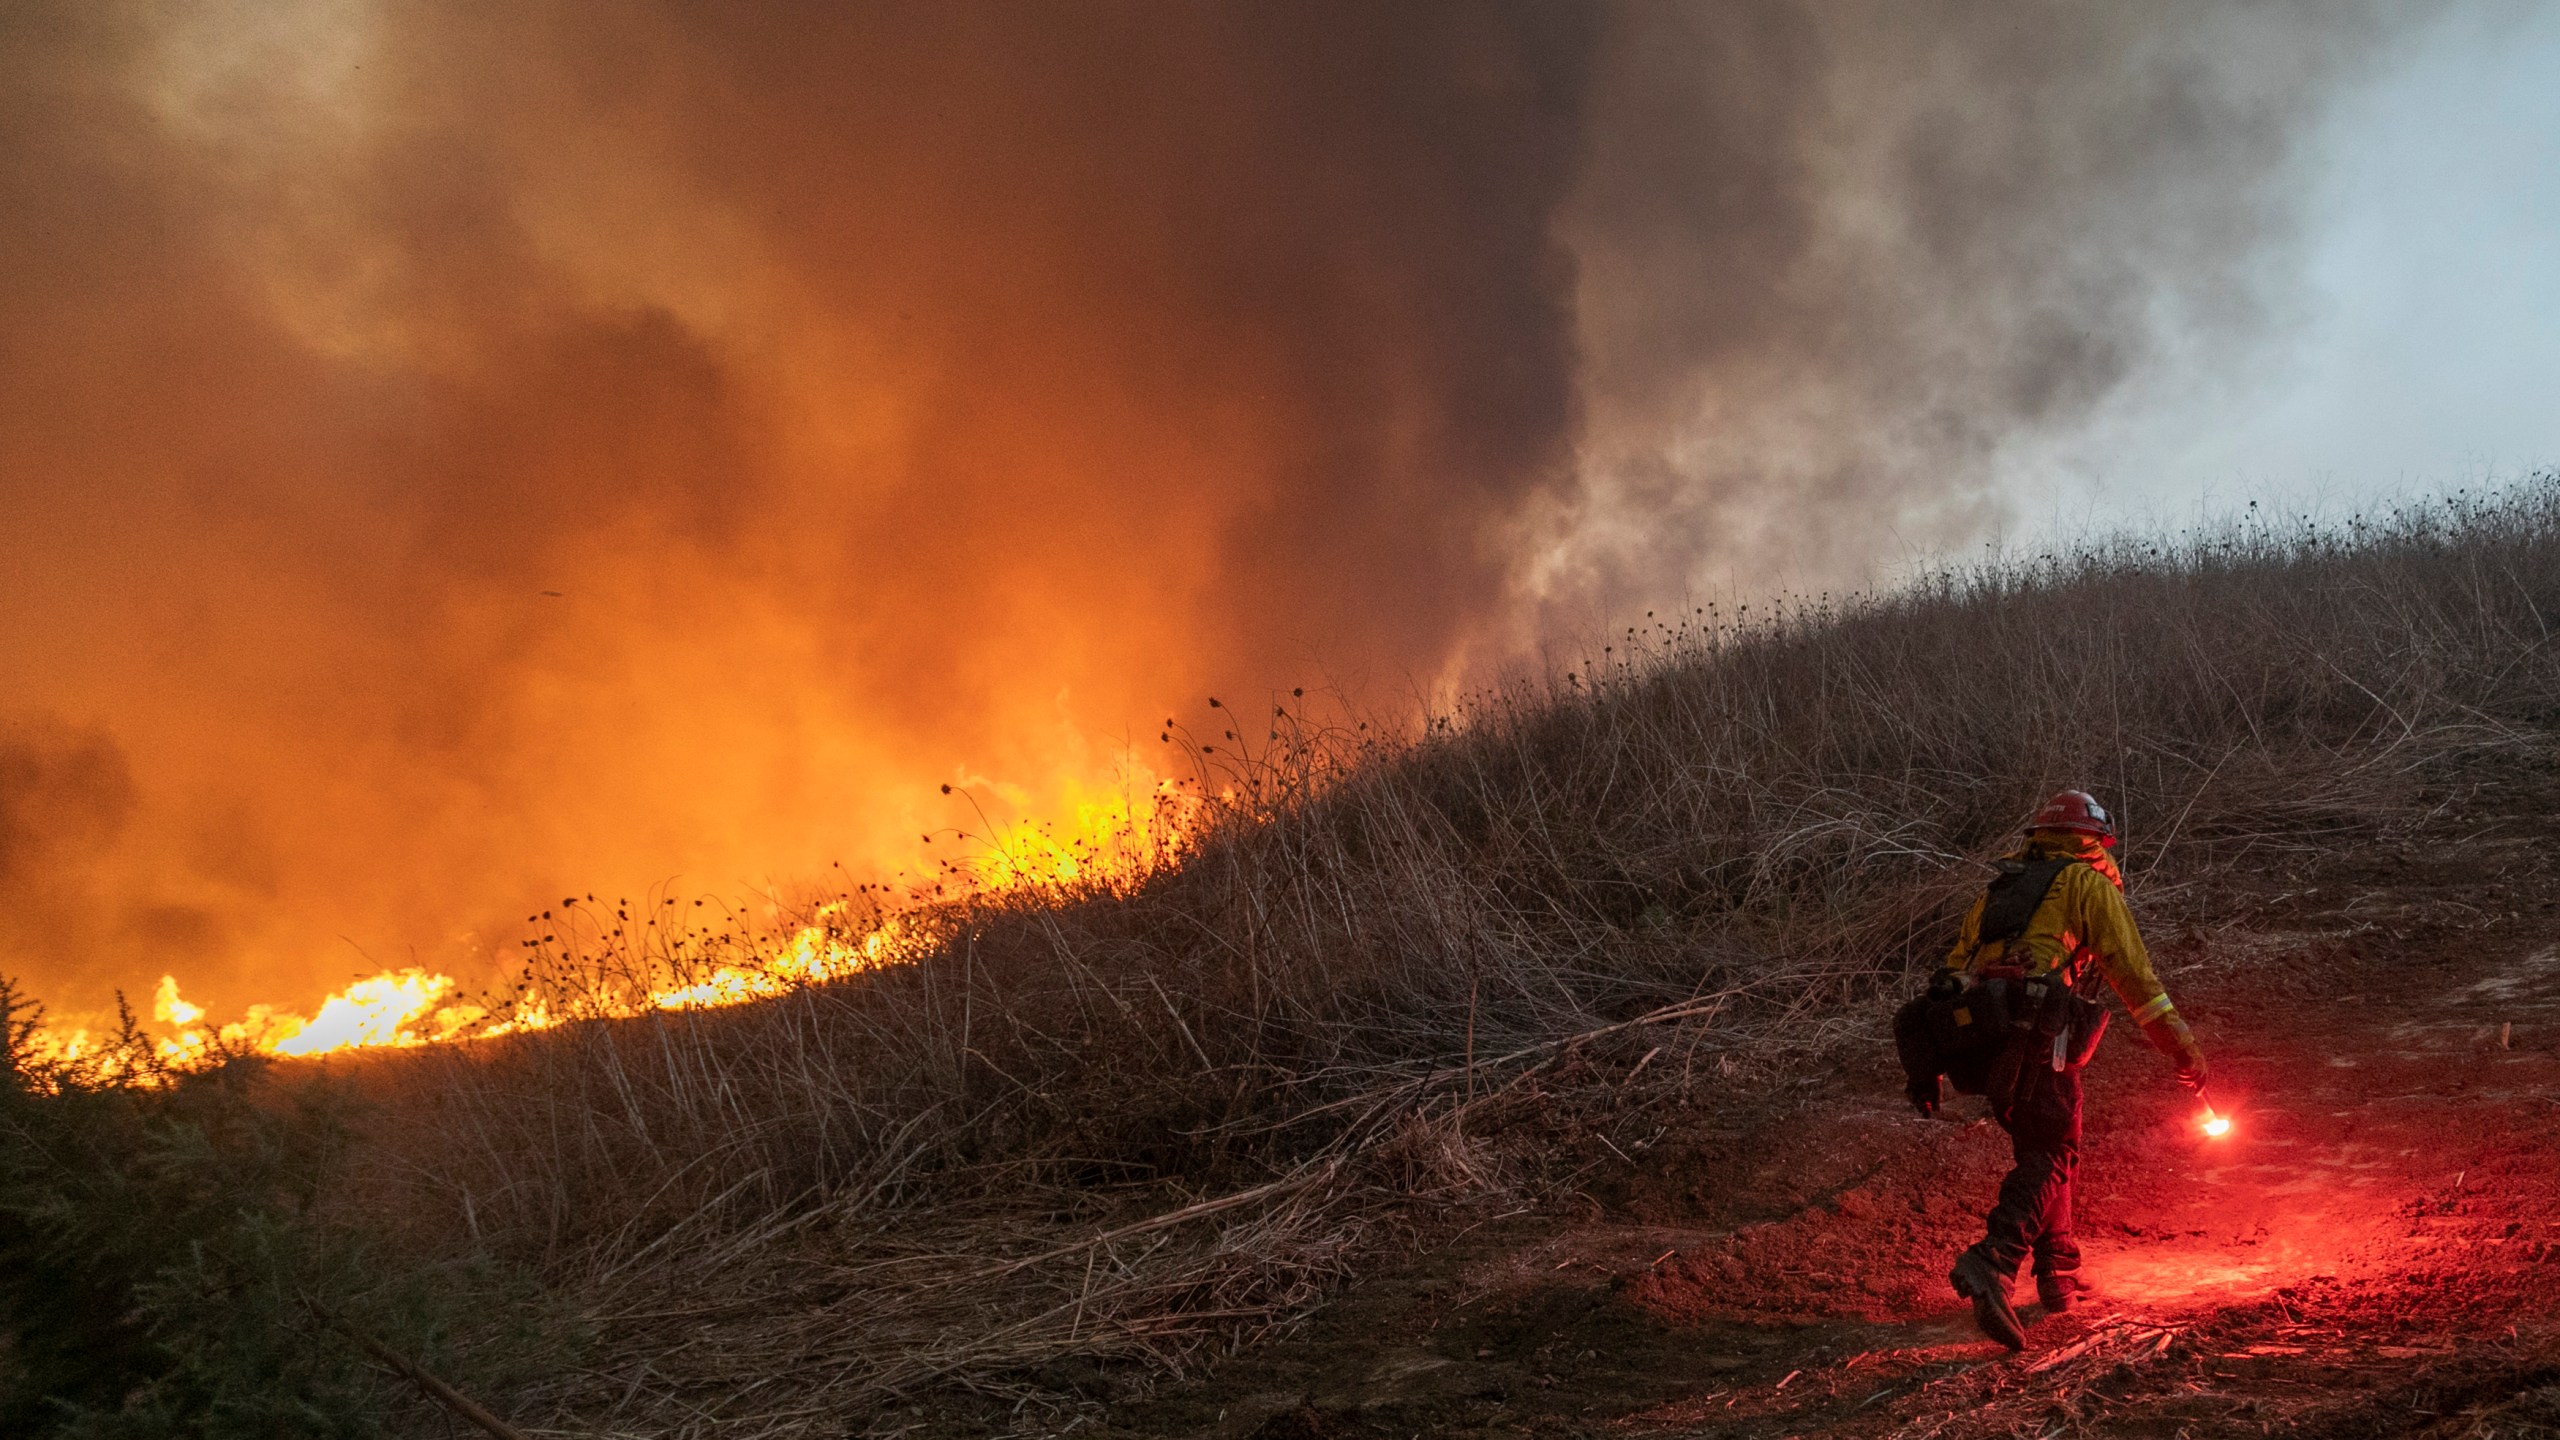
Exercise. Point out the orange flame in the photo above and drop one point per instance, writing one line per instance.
(2216, 1125)
(1109, 839)
(399, 1007)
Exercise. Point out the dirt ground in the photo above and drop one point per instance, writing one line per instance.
(2373, 1251)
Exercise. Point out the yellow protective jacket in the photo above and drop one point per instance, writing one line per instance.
(2084, 920)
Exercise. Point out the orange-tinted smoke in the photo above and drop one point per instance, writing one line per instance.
(456, 457)
(462, 457)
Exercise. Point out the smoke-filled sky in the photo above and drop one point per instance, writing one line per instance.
(455, 456)
(2418, 350)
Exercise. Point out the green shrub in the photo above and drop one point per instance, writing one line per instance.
(163, 1269)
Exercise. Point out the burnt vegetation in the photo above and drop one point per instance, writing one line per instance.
(1101, 1134)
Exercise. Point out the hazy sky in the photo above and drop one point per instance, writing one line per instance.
(2425, 349)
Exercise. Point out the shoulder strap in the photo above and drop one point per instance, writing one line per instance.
(2013, 896)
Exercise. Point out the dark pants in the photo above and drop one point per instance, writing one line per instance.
(2033, 1216)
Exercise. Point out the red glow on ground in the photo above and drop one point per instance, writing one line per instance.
(2244, 1214)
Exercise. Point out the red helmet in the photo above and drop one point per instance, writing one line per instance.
(2077, 811)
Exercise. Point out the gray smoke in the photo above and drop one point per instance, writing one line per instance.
(1839, 260)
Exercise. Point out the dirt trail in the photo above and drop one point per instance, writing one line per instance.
(2375, 1250)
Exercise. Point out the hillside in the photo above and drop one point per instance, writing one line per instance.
(2372, 1252)
(1526, 1074)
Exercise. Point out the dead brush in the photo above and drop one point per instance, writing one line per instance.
(1135, 1126)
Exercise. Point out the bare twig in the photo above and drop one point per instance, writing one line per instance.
(462, 1406)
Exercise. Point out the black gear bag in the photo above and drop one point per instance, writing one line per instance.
(1984, 1035)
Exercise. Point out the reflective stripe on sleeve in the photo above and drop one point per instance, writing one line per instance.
(2158, 1007)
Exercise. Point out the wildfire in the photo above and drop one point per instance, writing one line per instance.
(1111, 839)
(812, 957)
(398, 1007)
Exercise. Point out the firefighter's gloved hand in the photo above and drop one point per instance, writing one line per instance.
(1925, 1095)
(1946, 984)
(2191, 1074)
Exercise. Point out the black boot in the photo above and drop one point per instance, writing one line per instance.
(2057, 1293)
(1975, 1280)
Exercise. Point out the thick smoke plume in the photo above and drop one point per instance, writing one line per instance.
(459, 456)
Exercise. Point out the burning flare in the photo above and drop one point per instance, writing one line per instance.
(2215, 1124)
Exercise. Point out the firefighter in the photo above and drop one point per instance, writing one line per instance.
(2055, 915)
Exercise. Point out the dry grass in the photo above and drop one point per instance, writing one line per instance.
(1091, 1137)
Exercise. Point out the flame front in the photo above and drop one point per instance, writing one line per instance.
(1109, 840)
(410, 1007)
(812, 957)
(397, 1007)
